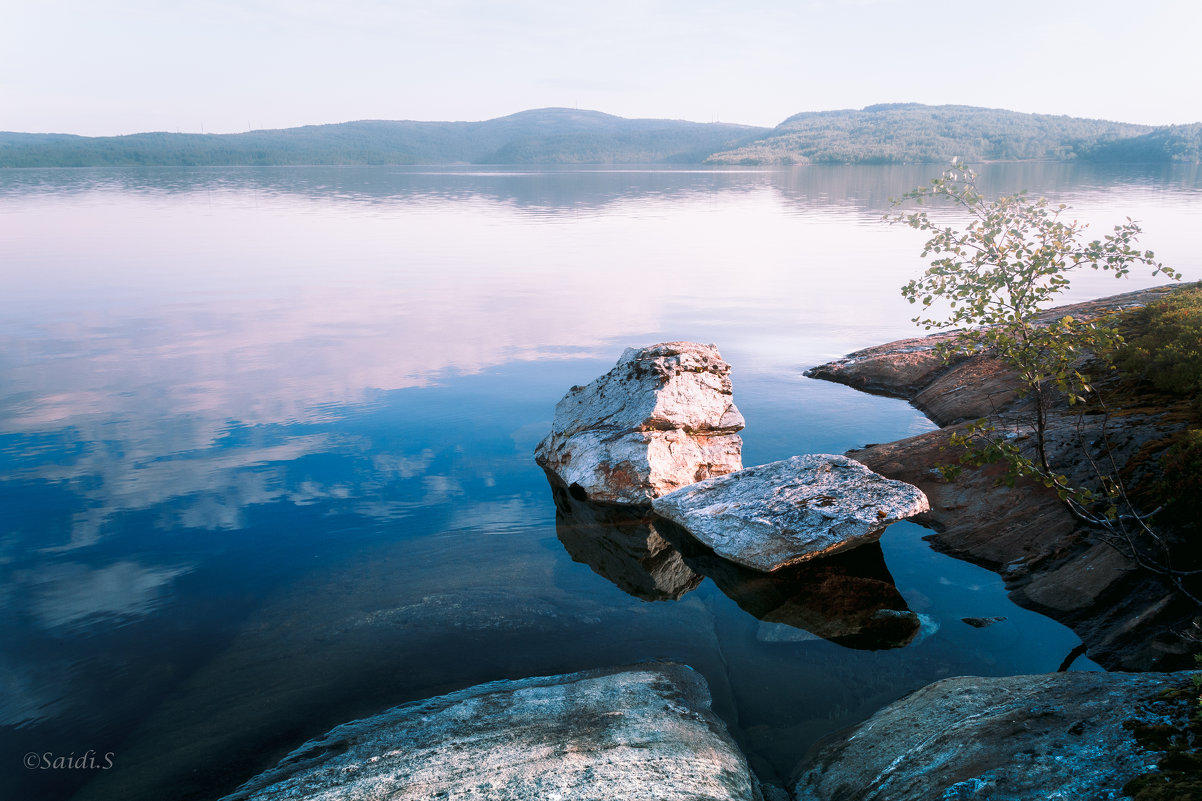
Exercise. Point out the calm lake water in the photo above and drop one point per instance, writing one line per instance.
(266, 449)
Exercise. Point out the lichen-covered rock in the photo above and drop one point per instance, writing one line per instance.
(1016, 738)
(782, 513)
(644, 732)
(661, 419)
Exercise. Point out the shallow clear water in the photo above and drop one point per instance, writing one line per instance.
(266, 436)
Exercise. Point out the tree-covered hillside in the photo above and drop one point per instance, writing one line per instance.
(544, 136)
(1181, 143)
(913, 133)
(906, 133)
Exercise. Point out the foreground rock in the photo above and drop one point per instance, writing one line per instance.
(645, 732)
(1059, 735)
(661, 419)
(785, 512)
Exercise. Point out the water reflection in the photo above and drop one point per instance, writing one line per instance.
(623, 545)
(76, 595)
(265, 444)
(568, 191)
(849, 599)
(544, 193)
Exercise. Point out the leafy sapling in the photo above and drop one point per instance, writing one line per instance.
(990, 283)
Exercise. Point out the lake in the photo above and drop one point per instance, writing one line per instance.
(266, 447)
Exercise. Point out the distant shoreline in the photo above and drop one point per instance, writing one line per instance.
(891, 134)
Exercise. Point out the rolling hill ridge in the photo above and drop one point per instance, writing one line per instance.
(543, 136)
(896, 133)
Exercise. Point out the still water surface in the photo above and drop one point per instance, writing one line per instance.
(266, 436)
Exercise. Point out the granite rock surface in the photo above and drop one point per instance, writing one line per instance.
(662, 418)
(1014, 738)
(786, 512)
(644, 733)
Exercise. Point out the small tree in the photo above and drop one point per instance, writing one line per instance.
(1001, 271)
(993, 279)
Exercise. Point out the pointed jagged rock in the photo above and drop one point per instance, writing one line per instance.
(661, 419)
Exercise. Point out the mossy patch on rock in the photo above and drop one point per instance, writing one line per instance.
(1172, 728)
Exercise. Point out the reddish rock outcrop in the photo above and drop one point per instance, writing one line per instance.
(1126, 617)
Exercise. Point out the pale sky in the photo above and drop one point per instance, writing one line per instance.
(100, 67)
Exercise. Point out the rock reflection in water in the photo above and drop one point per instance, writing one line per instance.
(849, 598)
(621, 543)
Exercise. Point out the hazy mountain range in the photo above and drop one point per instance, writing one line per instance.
(883, 134)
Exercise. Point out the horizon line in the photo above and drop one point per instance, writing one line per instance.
(871, 107)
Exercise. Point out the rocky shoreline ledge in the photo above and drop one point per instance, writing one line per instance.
(1126, 618)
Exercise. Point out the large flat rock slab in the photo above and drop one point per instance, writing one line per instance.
(662, 418)
(639, 733)
(786, 512)
(1016, 738)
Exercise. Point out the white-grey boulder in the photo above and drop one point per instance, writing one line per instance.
(640, 733)
(661, 419)
(782, 513)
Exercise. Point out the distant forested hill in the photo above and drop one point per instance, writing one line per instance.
(544, 136)
(884, 134)
(1181, 143)
(913, 133)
